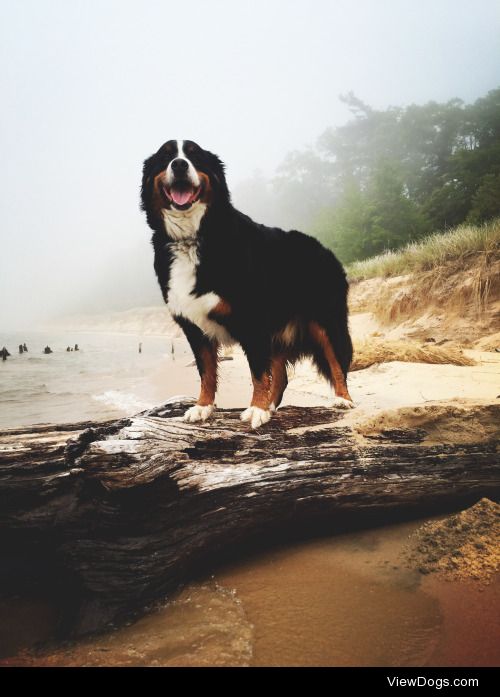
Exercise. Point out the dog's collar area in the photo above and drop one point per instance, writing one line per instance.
(184, 224)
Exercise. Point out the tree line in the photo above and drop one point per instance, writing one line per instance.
(388, 177)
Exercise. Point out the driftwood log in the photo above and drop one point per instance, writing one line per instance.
(114, 516)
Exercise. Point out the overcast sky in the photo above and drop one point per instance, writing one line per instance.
(89, 88)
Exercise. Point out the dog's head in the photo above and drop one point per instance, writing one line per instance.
(180, 176)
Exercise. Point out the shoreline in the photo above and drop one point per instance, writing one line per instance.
(386, 385)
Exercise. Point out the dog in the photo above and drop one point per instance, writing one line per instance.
(227, 279)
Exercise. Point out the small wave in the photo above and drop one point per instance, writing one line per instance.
(122, 400)
(21, 393)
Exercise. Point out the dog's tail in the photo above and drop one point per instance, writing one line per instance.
(333, 315)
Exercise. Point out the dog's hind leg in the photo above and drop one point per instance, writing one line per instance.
(336, 373)
(279, 379)
(205, 352)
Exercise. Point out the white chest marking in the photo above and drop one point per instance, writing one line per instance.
(182, 301)
(183, 225)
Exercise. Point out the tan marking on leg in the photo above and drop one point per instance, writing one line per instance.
(321, 338)
(209, 376)
(261, 391)
(279, 378)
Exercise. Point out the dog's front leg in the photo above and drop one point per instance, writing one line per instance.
(205, 352)
(259, 360)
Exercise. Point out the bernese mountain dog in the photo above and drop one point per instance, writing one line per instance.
(226, 279)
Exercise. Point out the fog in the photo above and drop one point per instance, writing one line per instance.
(91, 87)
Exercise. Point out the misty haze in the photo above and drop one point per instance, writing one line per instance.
(89, 92)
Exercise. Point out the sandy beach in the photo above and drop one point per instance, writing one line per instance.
(409, 383)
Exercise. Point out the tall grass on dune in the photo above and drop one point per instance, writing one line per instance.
(372, 351)
(432, 251)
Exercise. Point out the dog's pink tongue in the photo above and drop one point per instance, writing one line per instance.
(180, 197)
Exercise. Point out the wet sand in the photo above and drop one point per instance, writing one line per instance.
(470, 629)
(347, 600)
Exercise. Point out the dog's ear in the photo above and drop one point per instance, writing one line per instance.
(217, 169)
(148, 170)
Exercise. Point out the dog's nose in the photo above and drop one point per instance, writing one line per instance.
(180, 166)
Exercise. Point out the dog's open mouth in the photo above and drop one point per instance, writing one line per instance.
(182, 194)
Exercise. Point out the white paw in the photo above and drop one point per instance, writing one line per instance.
(199, 413)
(256, 416)
(341, 403)
(272, 408)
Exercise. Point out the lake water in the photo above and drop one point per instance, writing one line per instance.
(106, 378)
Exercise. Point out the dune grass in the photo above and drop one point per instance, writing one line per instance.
(369, 352)
(431, 252)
